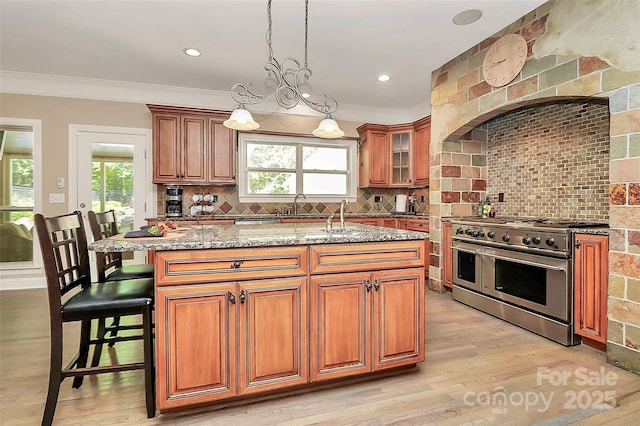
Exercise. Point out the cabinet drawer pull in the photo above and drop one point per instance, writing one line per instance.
(243, 296)
(236, 264)
(231, 297)
(367, 285)
(376, 284)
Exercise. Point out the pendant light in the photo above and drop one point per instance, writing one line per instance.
(289, 75)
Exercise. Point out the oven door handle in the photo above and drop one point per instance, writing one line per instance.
(525, 262)
(465, 250)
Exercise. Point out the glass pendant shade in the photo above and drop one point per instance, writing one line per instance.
(241, 119)
(328, 129)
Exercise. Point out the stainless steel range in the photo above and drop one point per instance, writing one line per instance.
(518, 269)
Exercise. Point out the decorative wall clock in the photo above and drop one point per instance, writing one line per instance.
(504, 60)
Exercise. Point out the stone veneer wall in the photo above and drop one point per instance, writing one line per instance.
(623, 337)
(550, 161)
(575, 50)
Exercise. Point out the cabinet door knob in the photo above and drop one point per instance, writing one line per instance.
(376, 284)
(243, 296)
(367, 285)
(231, 297)
(236, 264)
(577, 244)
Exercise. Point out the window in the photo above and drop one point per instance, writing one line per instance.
(112, 187)
(19, 193)
(276, 168)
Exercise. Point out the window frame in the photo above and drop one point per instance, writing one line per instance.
(12, 269)
(299, 142)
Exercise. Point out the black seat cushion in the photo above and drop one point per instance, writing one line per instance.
(140, 270)
(109, 299)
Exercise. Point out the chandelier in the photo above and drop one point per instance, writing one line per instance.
(289, 76)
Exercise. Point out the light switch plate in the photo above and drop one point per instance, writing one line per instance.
(56, 198)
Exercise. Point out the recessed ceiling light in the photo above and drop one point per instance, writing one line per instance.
(384, 77)
(467, 17)
(305, 95)
(191, 51)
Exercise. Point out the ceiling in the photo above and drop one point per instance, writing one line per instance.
(351, 42)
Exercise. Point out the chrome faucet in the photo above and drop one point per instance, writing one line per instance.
(295, 203)
(329, 227)
(342, 204)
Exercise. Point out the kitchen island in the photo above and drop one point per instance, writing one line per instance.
(249, 311)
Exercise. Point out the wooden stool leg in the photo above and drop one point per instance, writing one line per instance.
(83, 353)
(97, 350)
(55, 375)
(149, 364)
(114, 331)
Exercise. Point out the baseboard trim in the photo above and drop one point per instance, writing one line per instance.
(21, 283)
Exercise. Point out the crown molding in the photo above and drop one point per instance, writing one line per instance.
(120, 91)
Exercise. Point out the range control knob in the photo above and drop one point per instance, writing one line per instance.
(475, 234)
(536, 240)
(459, 231)
(550, 241)
(467, 231)
(491, 234)
(526, 240)
(505, 238)
(481, 234)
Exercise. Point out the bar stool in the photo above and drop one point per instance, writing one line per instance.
(74, 298)
(110, 267)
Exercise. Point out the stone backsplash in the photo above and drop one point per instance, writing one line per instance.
(228, 203)
(550, 161)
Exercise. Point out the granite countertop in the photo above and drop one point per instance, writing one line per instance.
(192, 237)
(424, 215)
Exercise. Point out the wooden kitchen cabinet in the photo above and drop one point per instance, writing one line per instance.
(191, 146)
(447, 254)
(401, 157)
(222, 153)
(422, 139)
(388, 222)
(375, 156)
(590, 274)
(224, 332)
(340, 326)
(362, 319)
(420, 225)
(364, 322)
(395, 156)
(272, 334)
(363, 220)
(196, 341)
(398, 315)
(203, 347)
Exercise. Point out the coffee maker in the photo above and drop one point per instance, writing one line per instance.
(173, 201)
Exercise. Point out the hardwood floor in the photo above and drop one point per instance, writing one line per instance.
(471, 360)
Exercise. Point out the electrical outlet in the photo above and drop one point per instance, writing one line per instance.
(422, 197)
(60, 183)
(377, 198)
(501, 197)
(215, 198)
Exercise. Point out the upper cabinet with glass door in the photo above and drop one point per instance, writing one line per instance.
(395, 156)
(400, 153)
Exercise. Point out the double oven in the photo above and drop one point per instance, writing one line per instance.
(519, 270)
